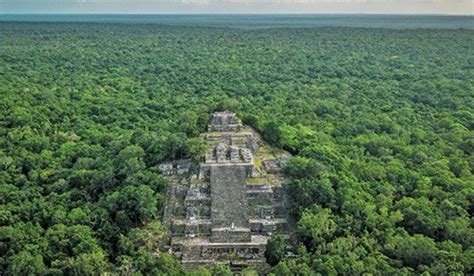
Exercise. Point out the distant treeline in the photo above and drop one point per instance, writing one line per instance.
(257, 21)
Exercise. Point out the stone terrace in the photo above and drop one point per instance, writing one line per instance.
(225, 210)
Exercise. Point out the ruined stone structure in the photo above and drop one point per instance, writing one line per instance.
(225, 209)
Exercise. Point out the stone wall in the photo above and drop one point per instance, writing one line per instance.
(228, 193)
(224, 122)
(229, 234)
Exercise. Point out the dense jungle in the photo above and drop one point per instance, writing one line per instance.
(379, 120)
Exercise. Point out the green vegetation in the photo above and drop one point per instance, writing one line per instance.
(276, 249)
(381, 122)
(256, 181)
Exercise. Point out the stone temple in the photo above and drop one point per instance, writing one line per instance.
(224, 209)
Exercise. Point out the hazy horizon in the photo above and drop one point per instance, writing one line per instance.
(389, 7)
(234, 13)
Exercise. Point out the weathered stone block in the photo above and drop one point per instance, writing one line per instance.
(271, 166)
(229, 201)
(227, 234)
(166, 169)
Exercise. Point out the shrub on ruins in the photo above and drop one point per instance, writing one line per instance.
(249, 272)
(203, 271)
(143, 262)
(275, 249)
(175, 146)
(197, 148)
(297, 266)
(221, 270)
(136, 252)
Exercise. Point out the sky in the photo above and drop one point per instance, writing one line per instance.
(465, 7)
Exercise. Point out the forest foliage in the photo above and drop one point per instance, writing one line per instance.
(380, 122)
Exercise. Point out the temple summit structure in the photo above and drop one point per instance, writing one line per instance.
(224, 209)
